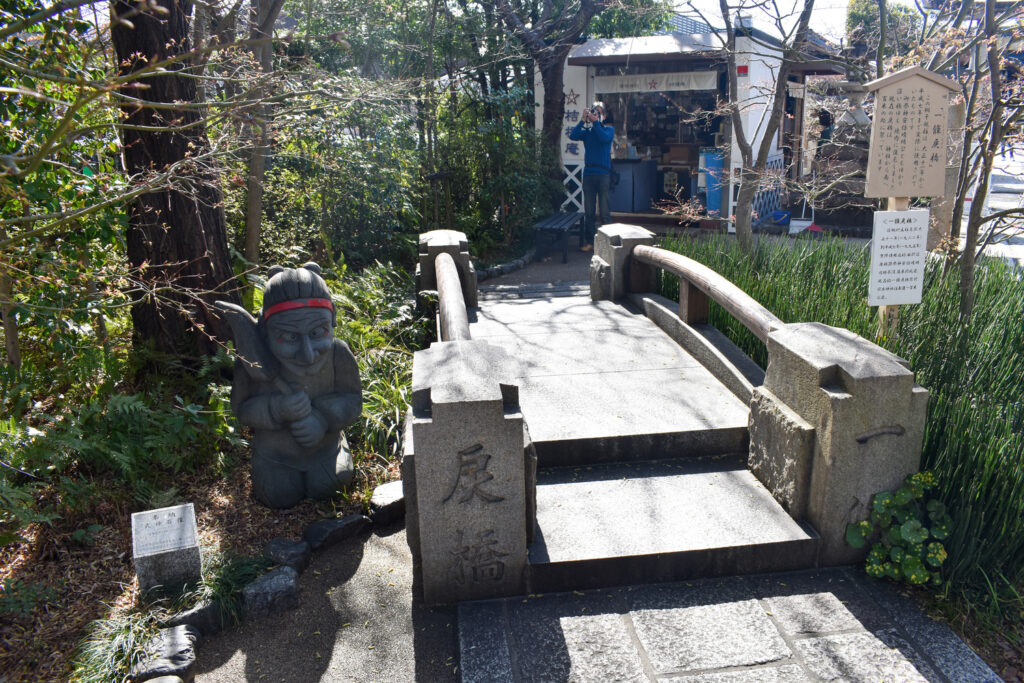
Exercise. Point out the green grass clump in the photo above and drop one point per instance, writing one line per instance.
(112, 647)
(224, 577)
(974, 437)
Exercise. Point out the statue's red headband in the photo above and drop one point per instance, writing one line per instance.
(297, 303)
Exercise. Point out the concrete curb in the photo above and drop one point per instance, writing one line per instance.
(505, 268)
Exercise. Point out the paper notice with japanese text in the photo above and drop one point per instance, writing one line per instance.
(898, 253)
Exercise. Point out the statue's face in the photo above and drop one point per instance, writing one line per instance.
(301, 339)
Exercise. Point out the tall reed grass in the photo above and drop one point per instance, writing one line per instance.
(974, 441)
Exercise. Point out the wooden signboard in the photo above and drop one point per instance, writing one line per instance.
(907, 157)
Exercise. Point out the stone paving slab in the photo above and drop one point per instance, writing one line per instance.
(357, 621)
(528, 290)
(543, 314)
(599, 382)
(631, 415)
(559, 351)
(823, 625)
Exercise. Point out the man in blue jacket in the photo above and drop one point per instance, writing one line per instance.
(597, 172)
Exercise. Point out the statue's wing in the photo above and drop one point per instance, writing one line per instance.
(260, 363)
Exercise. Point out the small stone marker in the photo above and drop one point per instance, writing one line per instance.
(165, 547)
(898, 252)
(907, 157)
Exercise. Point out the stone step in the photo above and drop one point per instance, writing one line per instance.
(662, 520)
(599, 443)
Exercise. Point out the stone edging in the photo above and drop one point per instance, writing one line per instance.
(171, 655)
(512, 266)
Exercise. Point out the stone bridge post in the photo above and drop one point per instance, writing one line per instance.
(613, 273)
(451, 242)
(469, 469)
(466, 479)
(837, 420)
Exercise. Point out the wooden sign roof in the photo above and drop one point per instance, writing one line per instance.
(909, 72)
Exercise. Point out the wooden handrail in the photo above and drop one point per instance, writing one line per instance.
(451, 303)
(693, 306)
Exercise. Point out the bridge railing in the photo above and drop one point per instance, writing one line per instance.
(834, 418)
(453, 319)
(469, 470)
(445, 266)
(698, 284)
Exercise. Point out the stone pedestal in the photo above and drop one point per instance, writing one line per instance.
(867, 415)
(450, 242)
(466, 480)
(165, 548)
(613, 273)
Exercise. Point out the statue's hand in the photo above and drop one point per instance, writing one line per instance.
(291, 407)
(309, 430)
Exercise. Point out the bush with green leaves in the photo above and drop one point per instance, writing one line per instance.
(342, 183)
(139, 439)
(497, 171)
(378, 319)
(907, 530)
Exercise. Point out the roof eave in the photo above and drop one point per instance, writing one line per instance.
(649, 57)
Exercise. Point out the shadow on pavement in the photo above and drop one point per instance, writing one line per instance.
(356, 621)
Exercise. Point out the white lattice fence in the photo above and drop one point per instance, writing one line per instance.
(573, 181)
(770, 194)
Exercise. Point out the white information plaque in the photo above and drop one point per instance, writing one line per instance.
(164, 530)
(898, 252)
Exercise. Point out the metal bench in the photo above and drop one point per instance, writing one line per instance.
(559, 225)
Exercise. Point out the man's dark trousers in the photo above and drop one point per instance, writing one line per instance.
(595, 190)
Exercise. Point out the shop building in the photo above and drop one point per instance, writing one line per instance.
(661, 94)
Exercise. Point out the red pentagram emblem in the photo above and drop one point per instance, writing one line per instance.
(571, 96)
(652, 84)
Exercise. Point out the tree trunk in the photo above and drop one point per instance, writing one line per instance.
(995, 136)
(754, 166)
(551, 75)
(11, 346)
(264, 15)
(883, 32)
(176, 239)
(749, 181)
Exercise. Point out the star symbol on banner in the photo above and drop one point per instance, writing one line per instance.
(652, 84)
(571, 96)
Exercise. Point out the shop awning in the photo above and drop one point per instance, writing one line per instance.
(645, 48)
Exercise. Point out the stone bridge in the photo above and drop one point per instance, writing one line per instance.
(612, 436)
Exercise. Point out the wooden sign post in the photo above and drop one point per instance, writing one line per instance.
(906, 158)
